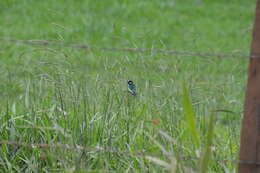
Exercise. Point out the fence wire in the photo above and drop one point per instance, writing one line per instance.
(106, 150)
(125, 49)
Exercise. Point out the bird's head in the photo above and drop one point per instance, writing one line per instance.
(130, 82)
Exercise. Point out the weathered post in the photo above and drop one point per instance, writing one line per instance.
(250, 134)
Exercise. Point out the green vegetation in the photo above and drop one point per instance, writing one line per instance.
(58, 95)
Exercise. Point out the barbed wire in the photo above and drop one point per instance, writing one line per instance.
(103, 150)
(126, 49)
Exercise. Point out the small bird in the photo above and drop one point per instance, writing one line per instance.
(131, 88)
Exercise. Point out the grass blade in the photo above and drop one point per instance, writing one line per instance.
(190, 116)
(204, 162)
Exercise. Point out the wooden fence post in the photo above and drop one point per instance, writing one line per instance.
(250, 134)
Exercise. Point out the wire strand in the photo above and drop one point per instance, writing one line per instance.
(126, 49)
(102, 150)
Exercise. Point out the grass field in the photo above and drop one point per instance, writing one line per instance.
(57, 95)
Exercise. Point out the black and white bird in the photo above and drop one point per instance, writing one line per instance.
(131, 88)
